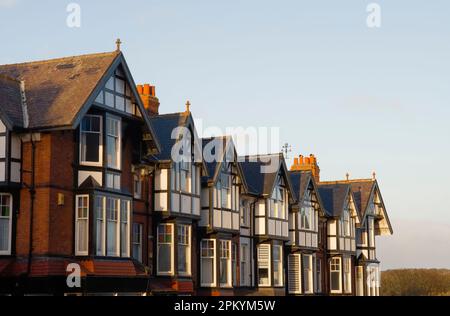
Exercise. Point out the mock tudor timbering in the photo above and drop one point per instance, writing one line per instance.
(91, 174)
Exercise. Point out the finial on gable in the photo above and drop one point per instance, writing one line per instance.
(188, 107)
(374, 175)
(118, 42)
(347, 176)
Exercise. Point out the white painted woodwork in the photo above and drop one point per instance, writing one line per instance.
(161, 178)
(294, 274)
(161, 202)
(16, 147)
(15, 172)
(196, 206)
(2, 146)
(175, 206)
(186, 204)
(2, 127)
(2, 171)
(83, 175)
(260, 226)
(204, 218)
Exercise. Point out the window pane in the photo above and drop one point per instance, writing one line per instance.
(4, 234)
(100, 228)
(111, 213)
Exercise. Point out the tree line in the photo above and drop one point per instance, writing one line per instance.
(415, 282)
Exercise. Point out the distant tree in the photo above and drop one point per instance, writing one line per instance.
(415, 282)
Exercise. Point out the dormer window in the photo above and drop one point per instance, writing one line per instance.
(91, 140)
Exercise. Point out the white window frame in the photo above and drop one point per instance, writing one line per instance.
(214, 264)
(227, 250)
(100, 147)
(172, 251)
(119, 141)
(347, 272)
(334, 270)
(187, 249)
(125, 253)
(269, 265)
(103, 237)
(280, 266)
(308, 274)
(9, 218)
(138, 242)
(79, 252)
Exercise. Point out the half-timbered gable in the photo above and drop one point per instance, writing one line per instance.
(84, 134)
(343, 217)
(305, 261)
(374, 221)
(270, 186)
(221, 217)
(179, 168)
(12, 102)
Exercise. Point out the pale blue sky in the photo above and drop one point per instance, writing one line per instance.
(361, 99)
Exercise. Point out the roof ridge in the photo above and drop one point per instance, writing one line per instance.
(261, 155)
(46, 61)
(348, 181)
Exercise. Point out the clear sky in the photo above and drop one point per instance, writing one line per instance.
(361, 99)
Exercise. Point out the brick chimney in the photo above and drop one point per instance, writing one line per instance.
(149, 99)
(307, 164)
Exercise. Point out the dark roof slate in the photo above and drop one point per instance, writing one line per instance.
(11, 100)
(57, 89)
(333, 197)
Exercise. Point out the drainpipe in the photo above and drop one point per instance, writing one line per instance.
(32, 190)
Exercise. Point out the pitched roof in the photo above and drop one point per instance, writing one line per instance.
(57, 89)
(333, 197)
(261, 181)
(214, 163)
(362, 191)
(300, 181)
(11, 100)
(163, 125)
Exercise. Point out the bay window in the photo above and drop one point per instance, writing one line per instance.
(137, 241)
(318, 275)
(125, 228)
(82, 225)
(208, 262)
(113, 131)
(100, 224)
(308, 274)
(277, 265)
(111, 225)
(347, 275)
(225, 263)
(91, 140)
(335, 275)
(245, 265)
(263, 254)
(184, 250)
(5, 223)
(165, 249)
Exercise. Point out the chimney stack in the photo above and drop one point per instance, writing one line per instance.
(149, 99)
(307, 164)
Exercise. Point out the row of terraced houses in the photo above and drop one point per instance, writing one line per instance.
(95, 182)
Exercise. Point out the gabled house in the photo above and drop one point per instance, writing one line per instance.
(374, 222)
(177, 189)
(270, 192)
(78, 127)
(219, 236)
(343, 217)
(307, 232)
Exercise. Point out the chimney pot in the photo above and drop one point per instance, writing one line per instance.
(295, 161)
(140, 89)
(301, 161)
(147, 89)
(307, 160)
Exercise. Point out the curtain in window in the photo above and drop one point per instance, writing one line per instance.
(207, 262)
(5, 221)
(277, 265)
(124, 235)
(184, 249)
(165, 235)
(111, 213)
(100, 226)
(264, 264)
(225, 262)
(113, 142)
(82, 221)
